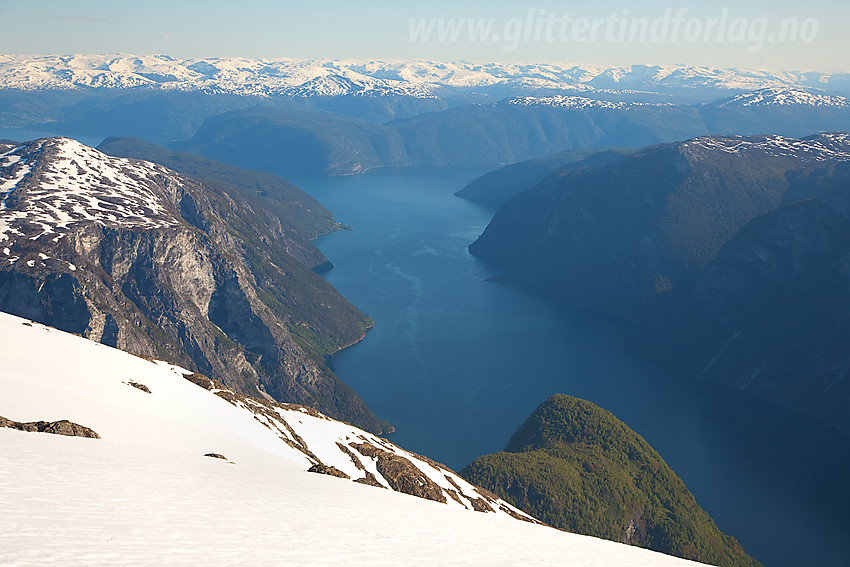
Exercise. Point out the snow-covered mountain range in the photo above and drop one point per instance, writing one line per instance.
(767, 97)
(415, 78)
(186, 471)
(783, 96)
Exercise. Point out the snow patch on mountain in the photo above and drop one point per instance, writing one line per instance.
(49, 185)
(777, 96)
(573, 102)
(359, 455)
(146, 492)
(564, 101)
(818, 148)
(328, 77)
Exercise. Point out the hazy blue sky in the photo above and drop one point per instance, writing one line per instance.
(743, 34)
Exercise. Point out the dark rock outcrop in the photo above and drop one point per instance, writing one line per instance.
(139, 386)
(401, 474)
(328, 470)
(370, 480)
(61, 427)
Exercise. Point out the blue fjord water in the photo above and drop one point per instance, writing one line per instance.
(456, 363)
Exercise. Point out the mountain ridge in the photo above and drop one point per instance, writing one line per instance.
(131, 254)
(179, 471)
(727, 254)
(329, 77)
(302, 217)
(612, 236)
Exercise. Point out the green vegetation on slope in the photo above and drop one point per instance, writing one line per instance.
(577, 467)
(302, 216)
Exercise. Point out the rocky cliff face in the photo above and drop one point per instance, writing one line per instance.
(133, 255)
(300, 217)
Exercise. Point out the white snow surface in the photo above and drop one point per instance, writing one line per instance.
(779, 96)
(144, 494)
(59, 182)
(818, 148)
(576, 102)
(329, 77)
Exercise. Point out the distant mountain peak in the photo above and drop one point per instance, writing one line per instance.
(783, 96)
(329, 77)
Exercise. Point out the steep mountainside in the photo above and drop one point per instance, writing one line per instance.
(613, 237)
(578, 468)
(133, 255)
(769, 314)
(514, 129)
(176, 472)
(729, 253)
(508, 132)
(301, 216)
(496, 187)
(279, 140)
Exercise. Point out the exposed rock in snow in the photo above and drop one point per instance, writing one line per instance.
(132, 254)
(145, 494)
(61, 427)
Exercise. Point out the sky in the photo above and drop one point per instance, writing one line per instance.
(777, 35)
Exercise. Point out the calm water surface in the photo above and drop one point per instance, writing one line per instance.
(456, 363)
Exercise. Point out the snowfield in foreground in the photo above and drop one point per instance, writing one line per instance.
(144, 493)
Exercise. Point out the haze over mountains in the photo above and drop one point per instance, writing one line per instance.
(414, 78)
(707, 207)
(339, 117)
(727, 251)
